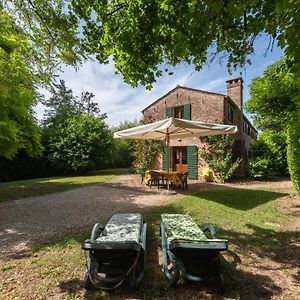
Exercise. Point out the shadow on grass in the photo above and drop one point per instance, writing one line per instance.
(240, 199)
(240, 284)
(279, 246)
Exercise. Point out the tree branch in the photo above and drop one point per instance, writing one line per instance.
(117, 9)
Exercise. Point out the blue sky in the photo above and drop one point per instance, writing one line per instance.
(122, 102)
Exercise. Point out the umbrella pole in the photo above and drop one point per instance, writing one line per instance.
(168, 146)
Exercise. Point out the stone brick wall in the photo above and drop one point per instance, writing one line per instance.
(235, 91)
(206, 107)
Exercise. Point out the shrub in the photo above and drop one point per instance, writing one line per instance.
(218, 154)
(259, 168)
(293, 152)
(144, 152)
(273, 147)
(82, 143)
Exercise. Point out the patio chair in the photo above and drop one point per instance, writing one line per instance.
(189, 251)
(155, 178)
(184, 178)
(116, 252)
(142, 173)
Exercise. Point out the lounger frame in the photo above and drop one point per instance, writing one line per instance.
(110, 263)
(194, 261)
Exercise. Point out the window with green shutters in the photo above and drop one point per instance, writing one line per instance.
(187, 112)
(181, 112)
(192, 160)
(169, 112)
(166, 158)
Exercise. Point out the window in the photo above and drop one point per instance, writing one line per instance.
(178, 112)
(230, 114)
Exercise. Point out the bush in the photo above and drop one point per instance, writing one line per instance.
(144, 152)
(273, 147)
(82, 143)
(259, 168)
(293, 152)
(218, 155)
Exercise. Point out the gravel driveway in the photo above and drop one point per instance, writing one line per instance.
(31, 222)
(26, 221)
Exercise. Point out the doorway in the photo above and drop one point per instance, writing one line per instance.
(180, 159)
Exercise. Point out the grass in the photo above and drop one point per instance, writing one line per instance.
(36, 187)
(242, 216)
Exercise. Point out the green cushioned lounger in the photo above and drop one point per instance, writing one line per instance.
(116, 252)
(189, 250)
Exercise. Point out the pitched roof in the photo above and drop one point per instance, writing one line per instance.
(185, 88)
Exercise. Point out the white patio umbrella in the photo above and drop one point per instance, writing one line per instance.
(174, 129)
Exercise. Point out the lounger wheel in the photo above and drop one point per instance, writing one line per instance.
(87, 283)
(172, 274)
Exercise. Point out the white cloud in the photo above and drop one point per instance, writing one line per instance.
(122, 102)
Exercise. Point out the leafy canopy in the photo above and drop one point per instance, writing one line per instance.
(273, 97)
(142, 35)
(275, 103)
(17, 93)
(52, 32)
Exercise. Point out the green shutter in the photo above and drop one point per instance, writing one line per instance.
(166, 157)
(169, 112)
(187, 111)
(192, 160)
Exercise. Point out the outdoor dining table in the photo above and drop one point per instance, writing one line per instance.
(174, 177)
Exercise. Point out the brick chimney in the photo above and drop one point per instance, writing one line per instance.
(235, 90)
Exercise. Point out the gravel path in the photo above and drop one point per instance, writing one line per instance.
(26, 221)
(30, 222)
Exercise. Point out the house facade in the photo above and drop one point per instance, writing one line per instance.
(205, 106)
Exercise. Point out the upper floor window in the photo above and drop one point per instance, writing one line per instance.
(178, 112)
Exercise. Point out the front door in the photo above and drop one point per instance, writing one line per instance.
(180, 159)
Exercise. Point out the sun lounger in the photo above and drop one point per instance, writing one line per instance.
(189, 251)
(116, 252)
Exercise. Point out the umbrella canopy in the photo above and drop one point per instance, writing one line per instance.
(173, 128)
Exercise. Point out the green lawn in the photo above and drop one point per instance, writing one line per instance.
(35, 187)
(249, 219)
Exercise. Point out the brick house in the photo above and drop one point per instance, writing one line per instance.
(198, 105)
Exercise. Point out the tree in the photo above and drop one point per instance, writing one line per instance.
(86, 106)
(60, 106)
(273, 97)
(52, 32)
(18, 128)
(275, 101)
(142, 35)
(123, 148)
(63, 104)
(269, 155)
(82, 143)
(75, 136)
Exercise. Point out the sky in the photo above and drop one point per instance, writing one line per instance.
(122, 102)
